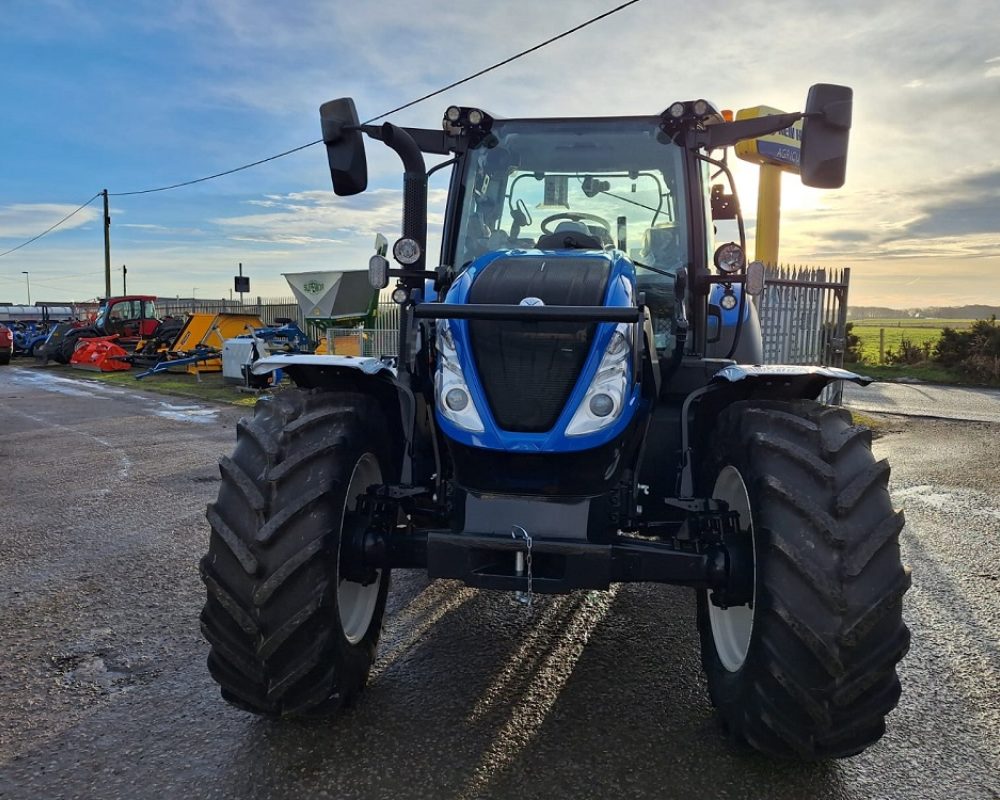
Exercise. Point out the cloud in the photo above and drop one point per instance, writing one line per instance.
(24, 220)
(966, 205)
(312, 216)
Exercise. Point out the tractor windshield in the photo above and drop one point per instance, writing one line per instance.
(618, 181)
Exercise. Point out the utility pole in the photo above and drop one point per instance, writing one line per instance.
(107, 246)
(124, 282)
(27, 280)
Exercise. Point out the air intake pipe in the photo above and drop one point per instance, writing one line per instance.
(414, 193)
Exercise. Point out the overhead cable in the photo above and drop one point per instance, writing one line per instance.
(217, 174)
(49, 230)
(538, 46)
(284, 153)
(435, 93)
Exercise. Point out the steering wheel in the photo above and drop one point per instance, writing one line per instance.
(574, 216)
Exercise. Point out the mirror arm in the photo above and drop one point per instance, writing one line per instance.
(725, 134)
(428, 141)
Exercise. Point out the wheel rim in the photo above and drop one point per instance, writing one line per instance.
(355, 601)
(732, 628)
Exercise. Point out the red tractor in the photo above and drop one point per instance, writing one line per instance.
(131, 318)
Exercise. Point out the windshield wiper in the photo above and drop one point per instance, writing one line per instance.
(657, 270)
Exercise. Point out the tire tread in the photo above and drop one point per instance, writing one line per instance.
(820, 676)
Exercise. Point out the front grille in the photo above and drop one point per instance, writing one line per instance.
(529, 369)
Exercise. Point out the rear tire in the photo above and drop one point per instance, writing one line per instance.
(288, 636)
(807, 670)
(163, 337)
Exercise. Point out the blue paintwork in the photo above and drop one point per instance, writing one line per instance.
(729, 317)
(620, 293)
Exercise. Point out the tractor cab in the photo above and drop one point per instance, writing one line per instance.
(615, 184)
(131, 317)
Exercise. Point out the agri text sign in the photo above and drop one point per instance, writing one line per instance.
(782, 149)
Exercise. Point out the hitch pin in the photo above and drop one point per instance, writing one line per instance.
(522, 565)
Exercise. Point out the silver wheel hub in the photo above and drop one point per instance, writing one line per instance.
(356, 601)
(732, 628)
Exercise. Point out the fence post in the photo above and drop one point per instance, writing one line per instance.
(881, 345)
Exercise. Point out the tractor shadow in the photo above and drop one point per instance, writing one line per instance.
(585, 695)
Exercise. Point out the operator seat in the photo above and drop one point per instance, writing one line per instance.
(568, 235)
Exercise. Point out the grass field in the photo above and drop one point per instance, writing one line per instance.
(919, 331)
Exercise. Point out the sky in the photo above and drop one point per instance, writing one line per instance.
(133, 95)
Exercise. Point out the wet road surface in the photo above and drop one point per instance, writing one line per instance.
(925, 400)
(104, 691)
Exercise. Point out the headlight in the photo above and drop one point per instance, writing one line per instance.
(730, 258)
(454, 400)
(406, 251)
(605, 398)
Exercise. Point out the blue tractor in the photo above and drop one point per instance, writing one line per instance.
(577, 399)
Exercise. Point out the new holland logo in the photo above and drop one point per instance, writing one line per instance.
(312, 287)
(531, 301)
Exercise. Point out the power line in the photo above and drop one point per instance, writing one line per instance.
(506, 61)
(49, 230)
(435, 93)
(217, 174)
(284, 153)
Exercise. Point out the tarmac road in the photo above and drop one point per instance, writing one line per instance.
(925, 400)
(104, 691)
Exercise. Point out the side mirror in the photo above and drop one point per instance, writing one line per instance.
(345, 149)
(825, 131)
(753, 281)
(378, 271)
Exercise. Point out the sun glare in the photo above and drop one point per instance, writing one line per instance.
(794, 196)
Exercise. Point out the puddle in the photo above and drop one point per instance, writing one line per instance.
(186, 413)
(51, 383)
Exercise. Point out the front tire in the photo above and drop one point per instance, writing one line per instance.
(807, 669)
(289, 634)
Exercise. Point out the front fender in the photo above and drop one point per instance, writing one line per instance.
(306, 363)
(785, 380)
(737, 382)
(364, 375)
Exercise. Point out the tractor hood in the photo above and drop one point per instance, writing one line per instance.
(527, 380)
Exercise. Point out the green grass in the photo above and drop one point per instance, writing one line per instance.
(211, 388)
(910, 322)
(921, 332)
(876, 425)
(870, 338)
(929, 373)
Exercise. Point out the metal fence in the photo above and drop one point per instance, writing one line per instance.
(268, 309)
(379, 339)
(803, 314)
(803, 319)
